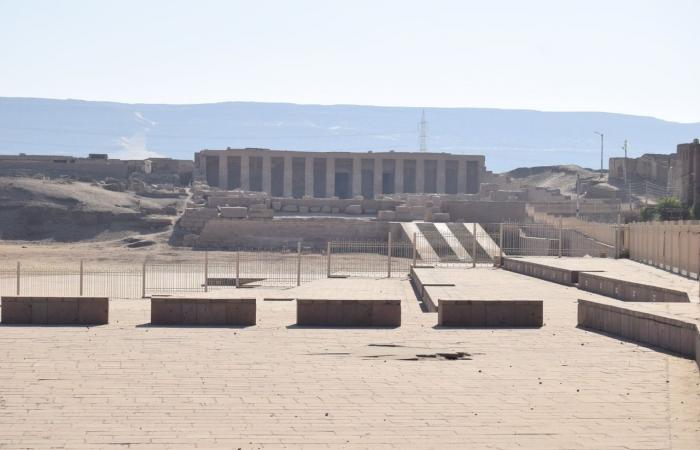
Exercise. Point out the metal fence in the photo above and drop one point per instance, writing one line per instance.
(441, 245)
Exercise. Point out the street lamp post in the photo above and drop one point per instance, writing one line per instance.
(602, 140)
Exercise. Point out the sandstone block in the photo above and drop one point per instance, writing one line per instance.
(234, 212)
(354, 209)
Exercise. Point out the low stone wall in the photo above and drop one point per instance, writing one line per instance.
(203, 311)
(490, 313)
(279, 233)
(627, 290)
(541, 271)
(484, 212)
(96, 169)
(194, 219)
(349, 313)
(55, 310)
(671, 334)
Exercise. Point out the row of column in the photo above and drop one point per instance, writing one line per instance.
(378, 171)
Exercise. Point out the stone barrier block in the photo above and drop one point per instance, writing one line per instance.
(55, 310)
(490, 313)
(628, 290)
(234, 212)
(678, 335)
(349, 313)
(203, 311)
(354, 209)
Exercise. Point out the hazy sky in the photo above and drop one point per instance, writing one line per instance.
(630, 56)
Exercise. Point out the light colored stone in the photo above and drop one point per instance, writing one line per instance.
(234, 212)
(354, 209)
(386, 215)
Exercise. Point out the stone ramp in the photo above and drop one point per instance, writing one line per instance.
(673, 327)
(483, 239)
(425, 252)
(453, 242)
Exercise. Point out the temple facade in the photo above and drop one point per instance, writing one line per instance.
(282, 173)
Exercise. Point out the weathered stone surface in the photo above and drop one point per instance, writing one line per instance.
(55, 310)
(234, 212)
(354, 209)
(490, 313)
(349, 313)
(441, 217)
(386, 215)
(202, 311)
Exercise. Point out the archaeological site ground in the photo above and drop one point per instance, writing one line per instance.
(254, 298)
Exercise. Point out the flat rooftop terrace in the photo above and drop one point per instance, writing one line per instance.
(276, 385)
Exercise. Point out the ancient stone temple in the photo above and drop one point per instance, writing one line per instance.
(338, 174)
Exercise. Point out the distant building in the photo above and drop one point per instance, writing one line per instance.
(344, 175)
(648, 167)
(687, 174)
(94, 166)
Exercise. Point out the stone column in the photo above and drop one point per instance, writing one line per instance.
(441, 176)
(398, 175)
(330, 177)
(309, 176)
(267, 174)
(287, 190)
(462, 176)
(420, 176)
(377, 177)
(245, 172)
(356, 177)
(223, 171)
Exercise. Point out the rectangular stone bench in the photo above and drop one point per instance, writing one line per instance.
(55, 310)
(231, 281)
(628, 290)
(349, 313)
(490, 313)
(627, 321)
(544, 272)
(202, 311)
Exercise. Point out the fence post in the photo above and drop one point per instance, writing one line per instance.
(474, 245)
(560, 230)
(388, 257)
(500, 243)
(238, 269)
(206, 271)
(328, 254)
(143, 280)
(415, 251)
(81, 277)
(18, 276)
(299, 263)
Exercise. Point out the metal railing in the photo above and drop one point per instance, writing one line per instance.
(446, 245)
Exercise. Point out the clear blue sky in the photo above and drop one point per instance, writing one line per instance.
(630, 56)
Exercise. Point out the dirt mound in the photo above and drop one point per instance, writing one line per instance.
(561, 177)
(63, 210)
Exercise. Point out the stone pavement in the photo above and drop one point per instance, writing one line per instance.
(275, 385)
